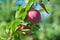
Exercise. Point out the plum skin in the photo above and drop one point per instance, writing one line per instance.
(34, 16)
(23, 27)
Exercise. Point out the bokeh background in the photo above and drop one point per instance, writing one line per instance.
(50, 23)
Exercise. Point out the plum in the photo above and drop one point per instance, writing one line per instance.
(31, 38)
(34, 16)
(23, 27)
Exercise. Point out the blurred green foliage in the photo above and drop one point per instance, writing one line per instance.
(50, 30)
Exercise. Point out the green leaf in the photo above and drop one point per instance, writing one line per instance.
(27, 9)
(13, 25)
(35, 1)
(18, 13)
(16, 38)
